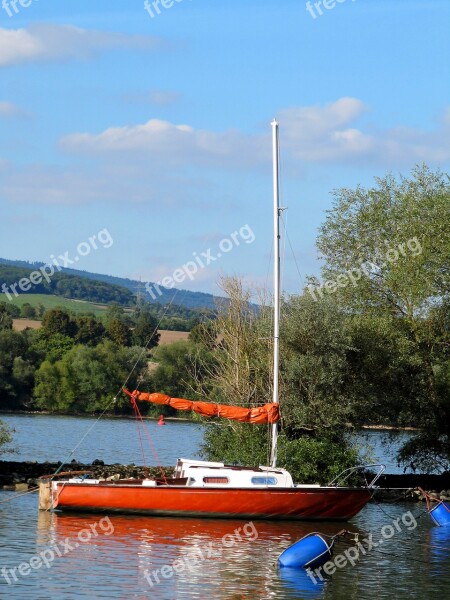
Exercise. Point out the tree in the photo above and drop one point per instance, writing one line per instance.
(6, 321)
(118, 332)
(386, 253)
(180, 369)
(204, 333)
(88, 379)
(51, 348)
(313, 404)
(58, 320)
(145, 331)
(13, 345)
(90, 331)
(27, 311)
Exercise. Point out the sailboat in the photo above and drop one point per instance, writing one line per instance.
(214, 489)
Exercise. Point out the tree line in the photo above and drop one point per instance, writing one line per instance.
(73, 363)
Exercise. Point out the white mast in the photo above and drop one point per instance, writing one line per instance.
(276, 287)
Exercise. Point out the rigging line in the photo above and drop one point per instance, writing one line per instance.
(144, 462)
(144, 349)
(378, 505)
(302, 279)
(19, 495)
(114, 399)
(144, 427)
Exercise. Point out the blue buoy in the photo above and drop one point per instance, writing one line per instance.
(309, 552)
(441, 514)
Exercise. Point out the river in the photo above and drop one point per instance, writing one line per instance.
(90, 556)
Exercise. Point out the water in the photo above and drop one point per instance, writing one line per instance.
(52, 438)
(120, 557)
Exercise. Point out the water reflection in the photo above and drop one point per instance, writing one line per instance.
(175, 558)
(439, 546)
(298, 580)
(413, 564)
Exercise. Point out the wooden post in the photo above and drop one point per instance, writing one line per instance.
(45, 494)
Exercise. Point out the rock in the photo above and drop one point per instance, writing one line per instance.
(98, 462)
(21, 487)
(9, 488)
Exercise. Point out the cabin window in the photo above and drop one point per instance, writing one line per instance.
(264, 480)
(220, 480)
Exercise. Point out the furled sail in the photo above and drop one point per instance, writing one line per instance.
(269, 413)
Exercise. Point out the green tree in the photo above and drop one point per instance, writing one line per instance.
(13, 345)
(90, 331)
(58, 320)
(27, 311)
(119, 333)
(87, 379)
(145, 331)
(313, 403)
(204, 333)
(180, 369)
(386, 253)
(51, 348)
(6, 321)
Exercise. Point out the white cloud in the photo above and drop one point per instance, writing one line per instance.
(10, 111)
(329, 134)
(311, 134)
(175, 165)
(62, 42)
(171, 144)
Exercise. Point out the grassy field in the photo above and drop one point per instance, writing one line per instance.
(78, 306)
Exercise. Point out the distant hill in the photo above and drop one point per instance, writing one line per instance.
(15, 280)
(129, 287)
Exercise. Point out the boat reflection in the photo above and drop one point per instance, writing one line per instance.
(176, 553)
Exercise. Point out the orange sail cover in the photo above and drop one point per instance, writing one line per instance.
(269, 413)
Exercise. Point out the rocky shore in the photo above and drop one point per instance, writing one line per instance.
(21, 476)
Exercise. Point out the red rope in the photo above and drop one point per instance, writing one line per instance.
(136, 413)
(144, 426)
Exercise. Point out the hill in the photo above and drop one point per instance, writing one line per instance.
(163, 296)
(15, 281)
(50, 301)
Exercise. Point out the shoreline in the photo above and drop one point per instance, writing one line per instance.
(150, 418)
(46, 413)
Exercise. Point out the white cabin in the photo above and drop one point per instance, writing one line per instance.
(213, 474)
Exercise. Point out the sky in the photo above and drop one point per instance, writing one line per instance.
(135, 141)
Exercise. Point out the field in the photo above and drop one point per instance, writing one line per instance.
(21, 324)
(167, 337)
(49, 302)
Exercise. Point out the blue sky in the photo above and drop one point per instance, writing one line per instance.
(158, 129)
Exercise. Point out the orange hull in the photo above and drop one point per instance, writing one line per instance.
(282, 503)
